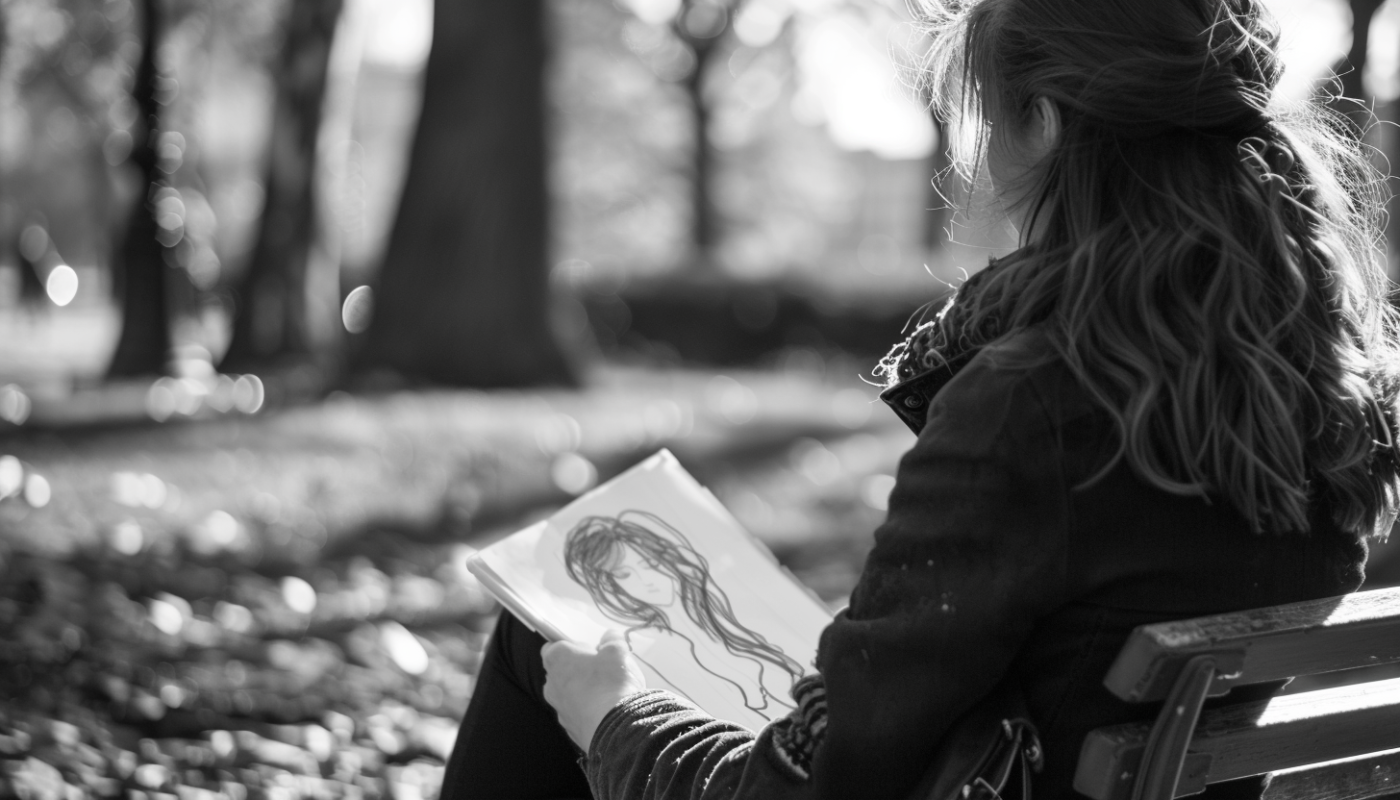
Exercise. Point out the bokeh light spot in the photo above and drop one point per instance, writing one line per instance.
(705, 20)
(573, 473)
(233, 616)
(127, 489)
(319, 742)
(217, 532)
(358, 309)
(14, 404)
(851, 408)
(166, 616)
(299, 595)
(815, 462)
(404, 648)
(751, 509)
(153, 491)
(37, 491)
(161, 400)
(189, 395)
(558, 433)
(734, 401)
(172, 695)
(758, 24)
(62, 285)
(220, 397)
(126, 538)
(248, 394)
(11, 476)
(655, 12)
(875, 491)
(400, 34)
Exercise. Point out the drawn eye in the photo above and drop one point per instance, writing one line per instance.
(622, 574)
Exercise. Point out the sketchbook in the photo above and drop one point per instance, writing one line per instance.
(705, 607)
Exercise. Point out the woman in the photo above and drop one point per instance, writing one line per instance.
(659, 587)
(1176, 398)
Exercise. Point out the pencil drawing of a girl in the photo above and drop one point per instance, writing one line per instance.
(642, 573)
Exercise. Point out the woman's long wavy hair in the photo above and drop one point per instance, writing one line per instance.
(594, 548)
(1208, 265)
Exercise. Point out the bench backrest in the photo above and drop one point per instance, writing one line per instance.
(1266, 644)
(1184, 662)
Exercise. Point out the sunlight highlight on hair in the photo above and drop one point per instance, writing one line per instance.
(1227, 308)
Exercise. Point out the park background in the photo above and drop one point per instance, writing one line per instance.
(302, 300)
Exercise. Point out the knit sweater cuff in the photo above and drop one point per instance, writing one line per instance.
(633, 707)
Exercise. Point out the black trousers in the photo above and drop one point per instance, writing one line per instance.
(510, 746)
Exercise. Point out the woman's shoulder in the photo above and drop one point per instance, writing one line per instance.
(1017, 403)
(1025, 377)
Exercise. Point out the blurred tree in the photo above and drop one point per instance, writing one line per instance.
(64, 88)
(31, 285)
(1352, 67)
(33, 247)
(139, 265)
(938, 210)
(1358, 104)
(276, 317)
(695, 32)
(463, 293)
(702, 25)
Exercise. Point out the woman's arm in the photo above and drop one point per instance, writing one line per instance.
(583, 685)
(971, 554)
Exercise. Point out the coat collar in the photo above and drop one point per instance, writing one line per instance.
(910, 399)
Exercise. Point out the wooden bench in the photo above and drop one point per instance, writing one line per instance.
(1339, 743)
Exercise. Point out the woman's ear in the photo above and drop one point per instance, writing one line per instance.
(1045, 126)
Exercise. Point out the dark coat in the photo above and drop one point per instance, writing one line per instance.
(999, 559)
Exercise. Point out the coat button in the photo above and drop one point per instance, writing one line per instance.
(913, 401)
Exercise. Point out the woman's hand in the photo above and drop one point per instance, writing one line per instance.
(584, 685)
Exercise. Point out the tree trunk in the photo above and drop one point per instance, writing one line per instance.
(1356, 104)
(275, 319)
(1390, 146)
(704, 44)
(704, 233)
(463, 294)
(937, 210)
(333, 147)
(140, 261)
(1353, 65)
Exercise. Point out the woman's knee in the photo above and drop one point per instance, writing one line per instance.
(515, 650)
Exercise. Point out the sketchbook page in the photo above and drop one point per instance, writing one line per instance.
(704, 606)
(543, 624)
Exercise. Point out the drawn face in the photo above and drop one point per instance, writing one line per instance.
(642, 580)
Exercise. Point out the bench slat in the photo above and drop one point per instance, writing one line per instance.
(1252, 738)
(1360, 778)
(1356, 630)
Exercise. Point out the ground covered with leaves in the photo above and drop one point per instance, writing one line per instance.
(277, 606)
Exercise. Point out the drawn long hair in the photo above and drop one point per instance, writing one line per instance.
(595, 546)
(1233, 321)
